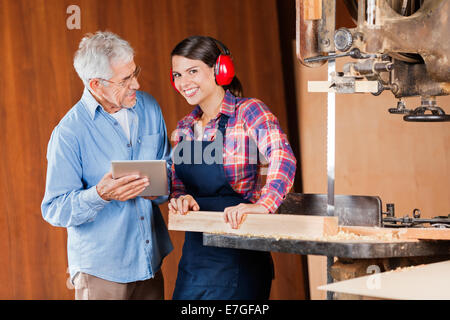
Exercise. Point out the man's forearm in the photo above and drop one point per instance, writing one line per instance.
(73, 208)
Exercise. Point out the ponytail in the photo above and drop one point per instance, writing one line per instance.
(235, 88)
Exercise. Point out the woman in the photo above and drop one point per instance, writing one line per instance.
(216, 166)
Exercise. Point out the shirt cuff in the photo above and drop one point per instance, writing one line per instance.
(271, 201)
(92, 197)
(93, 203)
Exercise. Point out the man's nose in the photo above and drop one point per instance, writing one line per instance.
(134, 84)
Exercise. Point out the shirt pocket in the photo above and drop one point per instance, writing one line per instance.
(150, 145)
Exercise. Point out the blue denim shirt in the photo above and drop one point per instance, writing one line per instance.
(116, 241)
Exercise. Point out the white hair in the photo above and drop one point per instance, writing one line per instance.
(97, 52)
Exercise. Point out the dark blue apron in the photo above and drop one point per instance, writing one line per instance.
(210, 272)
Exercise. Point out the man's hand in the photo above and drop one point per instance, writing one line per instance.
(122, 189)
(183, 204)
(233, 215)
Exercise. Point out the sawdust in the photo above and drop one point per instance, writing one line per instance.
(382, 237)
(341, 236)
(266, 236)
(402, 269)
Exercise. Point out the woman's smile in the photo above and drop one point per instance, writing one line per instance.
(189, 93)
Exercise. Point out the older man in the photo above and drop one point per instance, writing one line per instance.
(116, 239)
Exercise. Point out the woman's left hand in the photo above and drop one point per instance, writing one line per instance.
(233, 215)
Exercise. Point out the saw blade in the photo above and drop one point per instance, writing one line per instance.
(331, 138)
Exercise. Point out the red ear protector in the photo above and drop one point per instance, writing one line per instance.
(172, 80)
(223, 68)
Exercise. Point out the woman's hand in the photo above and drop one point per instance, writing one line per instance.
(233, 215)
(183, 204)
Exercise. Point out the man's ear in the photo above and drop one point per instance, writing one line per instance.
(94, 86)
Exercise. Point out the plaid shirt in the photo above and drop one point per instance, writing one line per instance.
(250, 124)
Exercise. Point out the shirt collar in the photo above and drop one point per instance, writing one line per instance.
(228, 108)
(228, 105)
(90, 103)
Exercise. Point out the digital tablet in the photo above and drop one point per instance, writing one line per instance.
(154, 170)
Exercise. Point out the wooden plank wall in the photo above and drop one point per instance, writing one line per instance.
(38, 86)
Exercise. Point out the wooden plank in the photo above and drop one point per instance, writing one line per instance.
(424, 282)
(360, 86)
(366, 86)
(427, 234)
(320, 86)
(312, 9)
(261, 225)
(401, 233)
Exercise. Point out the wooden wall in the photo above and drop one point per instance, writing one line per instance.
(38, 85)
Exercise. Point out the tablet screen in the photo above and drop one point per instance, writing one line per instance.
(154, 170)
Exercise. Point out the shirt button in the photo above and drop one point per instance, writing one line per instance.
(142, 218)
(147, 241)
(139, 140)
(128, 145)
(116, 123)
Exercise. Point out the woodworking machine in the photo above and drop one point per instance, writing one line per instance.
(391, 221)
(397, 45)
(351, 210)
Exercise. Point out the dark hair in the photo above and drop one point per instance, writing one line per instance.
(207, 50)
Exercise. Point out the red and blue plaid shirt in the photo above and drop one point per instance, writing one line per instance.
(250, 124)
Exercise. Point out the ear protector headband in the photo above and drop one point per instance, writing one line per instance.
(224, 71)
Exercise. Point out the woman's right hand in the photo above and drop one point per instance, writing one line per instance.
(183, 204)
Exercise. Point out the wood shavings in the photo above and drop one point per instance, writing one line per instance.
(266, 236)
(269, 236)
(402, 269)
(341, 236)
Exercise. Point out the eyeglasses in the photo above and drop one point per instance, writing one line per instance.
(126, 81)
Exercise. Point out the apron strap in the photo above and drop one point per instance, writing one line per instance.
(223, 124)
(223, 121)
